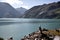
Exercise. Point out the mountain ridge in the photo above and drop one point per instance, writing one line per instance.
(21, 10)
(7, 11)
(45, 11)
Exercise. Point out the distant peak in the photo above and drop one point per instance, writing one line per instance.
(22, 8)
(3, 3)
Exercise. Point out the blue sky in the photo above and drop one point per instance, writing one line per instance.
(27, 3)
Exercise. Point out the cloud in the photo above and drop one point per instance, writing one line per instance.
(13, 2)
(16, 3)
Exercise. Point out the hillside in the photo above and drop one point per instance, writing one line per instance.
(7, 11)
(21, 10)
(45, 11)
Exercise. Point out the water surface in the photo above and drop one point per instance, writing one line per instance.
(18, 27)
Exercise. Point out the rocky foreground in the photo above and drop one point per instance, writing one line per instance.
(43, 34)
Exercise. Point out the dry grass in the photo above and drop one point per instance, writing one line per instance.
(54, 32)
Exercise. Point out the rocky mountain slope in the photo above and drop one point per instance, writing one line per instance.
(21, 10)
(45, 11)
(7, 11)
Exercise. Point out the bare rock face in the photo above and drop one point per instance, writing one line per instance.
(45, 11)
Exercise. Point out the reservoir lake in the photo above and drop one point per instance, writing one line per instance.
(19, 27)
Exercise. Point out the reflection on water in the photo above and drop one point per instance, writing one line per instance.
(17, 28)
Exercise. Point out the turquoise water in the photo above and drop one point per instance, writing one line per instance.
(19, 27)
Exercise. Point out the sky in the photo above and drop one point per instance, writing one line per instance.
(27, 3)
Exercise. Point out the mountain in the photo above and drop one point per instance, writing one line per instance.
(45, 11)
(21, 10)
(7, 11)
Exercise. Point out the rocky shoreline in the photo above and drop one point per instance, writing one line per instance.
(43, 34)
